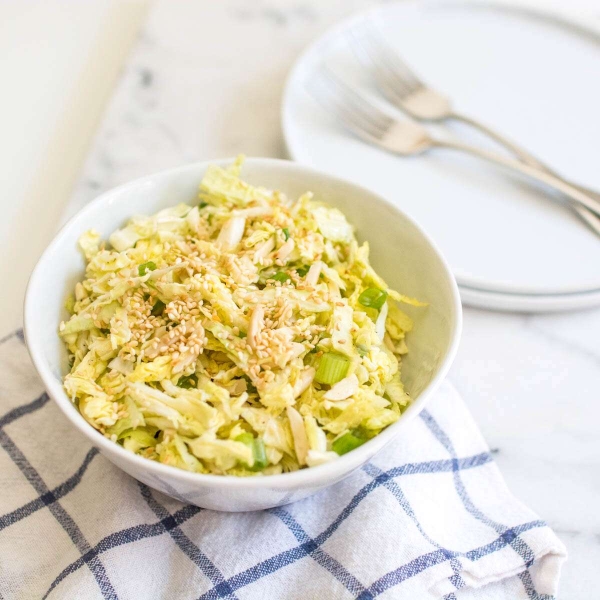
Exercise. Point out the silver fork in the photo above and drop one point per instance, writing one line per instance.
(404, 89)
(407, 138)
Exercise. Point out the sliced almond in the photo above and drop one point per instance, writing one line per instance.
(231, 233)
(380, 323)
(343, 389)
(80, 292)
(304, 380)
(315, 458)
(313, 274)
(121, 366)
(264, 249)
(256, 324)
(237, 387)
(299, 434)
(285, 250)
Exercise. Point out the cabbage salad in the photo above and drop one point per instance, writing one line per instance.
(245, 334)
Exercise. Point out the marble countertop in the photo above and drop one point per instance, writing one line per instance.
(57, 74)
(205, 80)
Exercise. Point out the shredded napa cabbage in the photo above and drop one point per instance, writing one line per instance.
(243, 334)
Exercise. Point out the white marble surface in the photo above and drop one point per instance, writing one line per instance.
(205, 81)
(59, 61)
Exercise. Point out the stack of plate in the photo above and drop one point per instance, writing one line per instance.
(533, 76)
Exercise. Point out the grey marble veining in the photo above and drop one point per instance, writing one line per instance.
(205, 80)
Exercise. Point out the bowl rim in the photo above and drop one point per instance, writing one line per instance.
(303, 477)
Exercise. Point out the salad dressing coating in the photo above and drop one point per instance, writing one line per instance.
(244, 335)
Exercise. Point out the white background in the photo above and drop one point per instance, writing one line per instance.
(204, 81)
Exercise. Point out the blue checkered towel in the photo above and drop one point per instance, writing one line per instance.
(429, 517)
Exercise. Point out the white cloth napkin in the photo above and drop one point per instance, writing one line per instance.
(429, 517)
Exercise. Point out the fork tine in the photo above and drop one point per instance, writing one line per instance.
(323, 92)
(393, 85)
(367, 55)
(359, 104)
(389, 54)
(390, 71)
(349, 119)
(391, 57)
(351, 107)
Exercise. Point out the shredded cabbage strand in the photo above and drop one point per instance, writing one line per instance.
(243, 334)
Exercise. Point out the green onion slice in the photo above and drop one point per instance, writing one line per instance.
(286, 233)
(347, 442)
(332, 368)
(245, 438)
(158, 308)
(373, 298)
(258, 450)
(188, 382)
(260, 456)
(280, 276)
(135, 440)
(250, 388)
(147, 266)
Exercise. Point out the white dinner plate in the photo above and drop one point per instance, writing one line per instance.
(529, 303)
(533, 76)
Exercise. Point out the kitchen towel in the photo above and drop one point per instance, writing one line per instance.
(430, 517)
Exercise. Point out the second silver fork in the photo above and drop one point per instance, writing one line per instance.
(403, 88)
(405, 137)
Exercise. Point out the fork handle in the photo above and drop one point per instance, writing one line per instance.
(559, 184)
(514, 148)
(592, 220)
(585, 214)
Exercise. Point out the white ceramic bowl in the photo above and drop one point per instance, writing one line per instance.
(400, 251)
